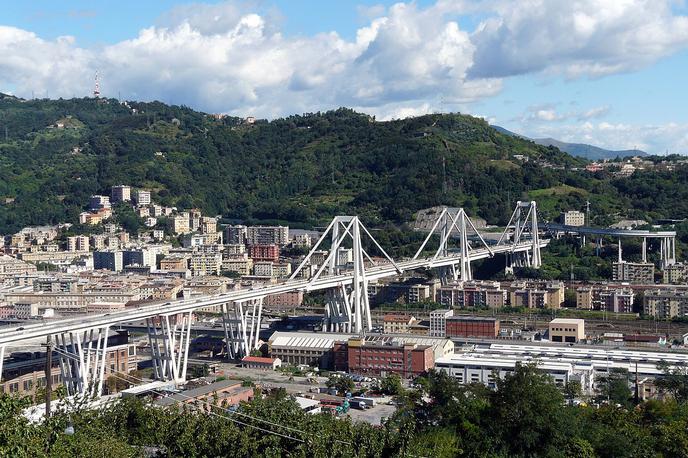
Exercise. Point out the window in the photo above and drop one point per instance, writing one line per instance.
(14, 387)
(28, 385)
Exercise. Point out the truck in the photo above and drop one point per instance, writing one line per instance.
(360, 405)
(370, 402)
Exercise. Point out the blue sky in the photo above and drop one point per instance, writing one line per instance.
(607, 73)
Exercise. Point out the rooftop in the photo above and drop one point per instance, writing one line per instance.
(258, 359)
(223, 385)
(567, 321)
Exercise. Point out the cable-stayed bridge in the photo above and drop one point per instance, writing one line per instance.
(450, 247)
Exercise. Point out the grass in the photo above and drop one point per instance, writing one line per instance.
(503, 164)
(561, 190)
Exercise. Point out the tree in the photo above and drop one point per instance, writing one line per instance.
(674, 381)
(199, 371)
(572, 389)
(391, 384)
(125, 216)
(526, 413)
(342, 383)
(614, 388)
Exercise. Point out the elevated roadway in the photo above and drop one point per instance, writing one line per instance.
(27, 332)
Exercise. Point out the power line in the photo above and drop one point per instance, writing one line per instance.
(209, 404)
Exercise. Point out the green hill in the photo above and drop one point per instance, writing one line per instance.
(302, 169)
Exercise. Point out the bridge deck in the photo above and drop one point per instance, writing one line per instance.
(610, 231)
(33, 331)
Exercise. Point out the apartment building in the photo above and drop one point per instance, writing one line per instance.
(665, 303)
(72, 302)
(617, 300)
(634, 272)
(142, 197)
(605, 297)
(120, 193)
(208, 225)
(263, 269)
(97, 202)
(78, 243)
(290, 299)
(90, 218)
(438, 322)
(407, 292)
(241, 264)
(584, 298)
(574, 218)
(397, 323)
(205, 263)
(676, 274)
(180, 224)
(536, 294)
(109, 260)
(267, 235)
(174, 262)
(235, 234)
(264, 252)
(198, 240)
(140, 257)
(10, 266)
(472, 294)
(303, 240)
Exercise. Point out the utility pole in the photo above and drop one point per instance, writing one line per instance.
(48, 374)
(637, 387)
(587, 213)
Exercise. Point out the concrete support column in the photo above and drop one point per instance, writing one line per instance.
(644, 249)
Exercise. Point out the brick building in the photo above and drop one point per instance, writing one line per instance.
(470, 326)
(264, 252)
(405, 359)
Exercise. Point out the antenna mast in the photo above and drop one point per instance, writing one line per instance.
(96, 88)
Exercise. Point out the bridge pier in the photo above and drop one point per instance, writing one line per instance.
(523, 222)
(82, 360)
(338, 311)
(2, 359)
(668, 251)
(169, 337)
(241, 321)
(349, 306)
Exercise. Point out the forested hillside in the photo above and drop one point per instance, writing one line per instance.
(302, 169)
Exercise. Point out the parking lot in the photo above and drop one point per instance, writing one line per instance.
(374, 415)
(300, 386)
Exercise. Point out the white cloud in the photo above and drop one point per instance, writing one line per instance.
(232, 56)
(652, 138)
(596, 112)
(576, 38)
(548, 112)
(547, 115)
(227, 58)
